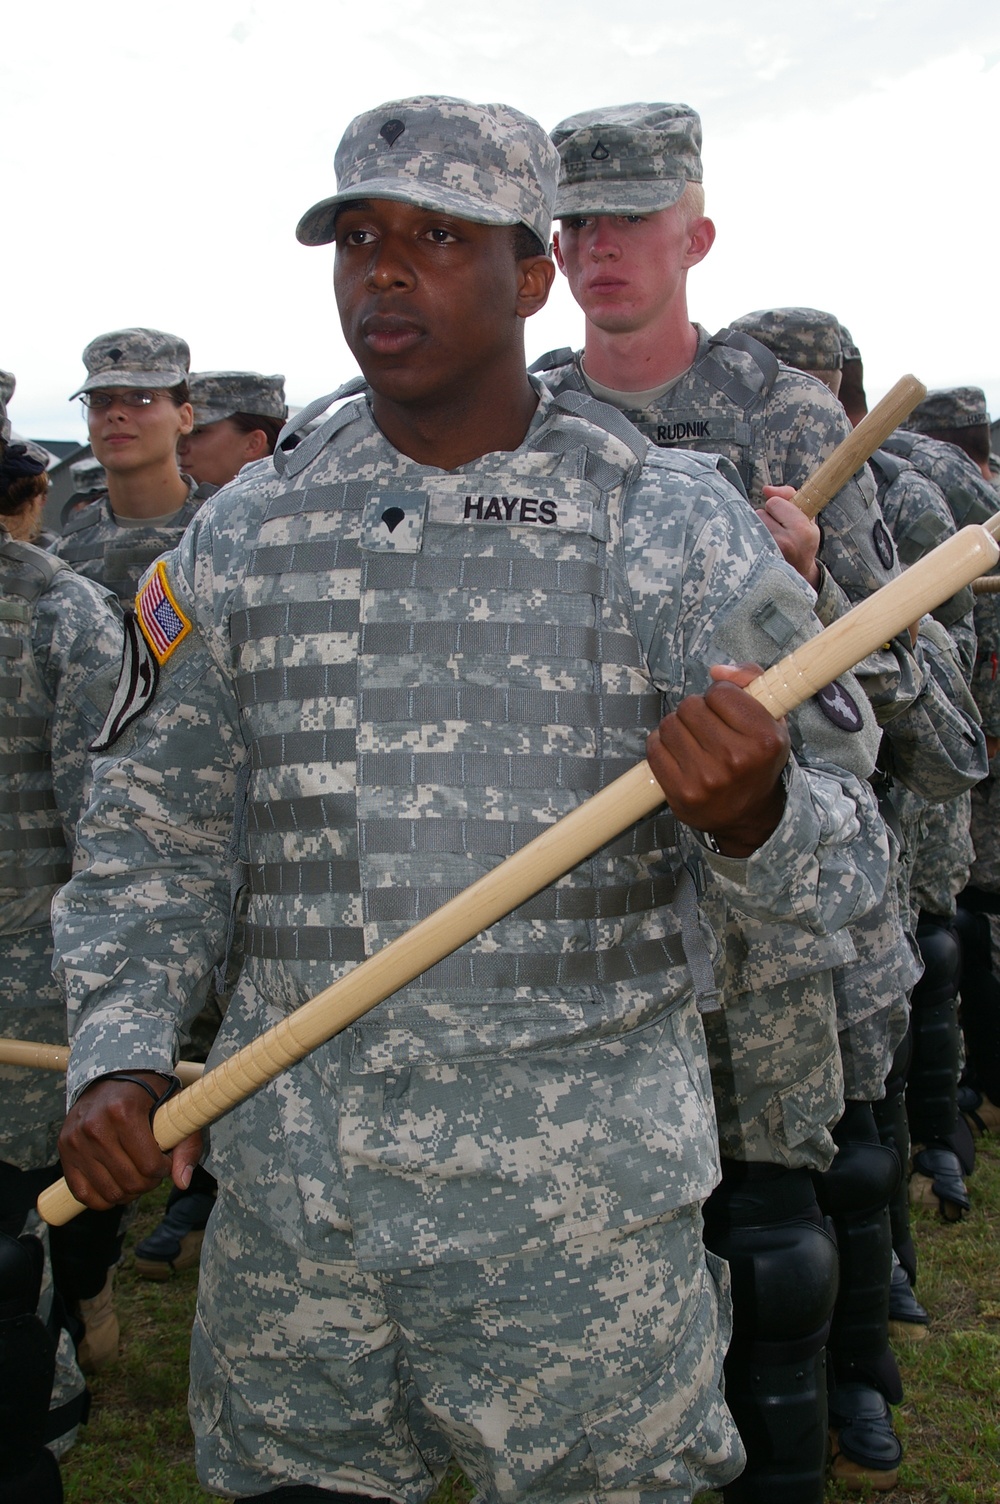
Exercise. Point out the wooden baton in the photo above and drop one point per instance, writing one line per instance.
(859, 445)
(561, 847)
(988, 585)
(55, 1057)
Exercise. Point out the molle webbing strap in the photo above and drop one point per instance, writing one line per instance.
(321, 556)
(410, 905)
(508, 705)
(419, 571)
(435, 639)
(488, 969)
(602, 415)
(25, 762)
(488, 771)
(498, 837)
(29, 801)
(338, 496)
(305, 682)
(293, 619)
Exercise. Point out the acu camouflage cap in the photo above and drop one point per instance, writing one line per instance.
(950, 407)
(627, 159)
(802, 337)
(7, 385)
(136, 358)
(848, 348)
(219, 394)
(484, 162)
(88, 475)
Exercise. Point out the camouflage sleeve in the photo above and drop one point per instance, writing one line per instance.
(936, 747)
(986, 675)
(81, 661)
(735, 600)
(141, 924)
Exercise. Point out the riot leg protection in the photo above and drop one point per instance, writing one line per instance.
(29, 1474)
(908, 1321)
(943, 1150)
(765, 1222)
(864, 1381)
(979, 1090)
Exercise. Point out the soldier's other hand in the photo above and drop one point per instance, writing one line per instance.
(797, 535)
(718, 758)
(107, 1148)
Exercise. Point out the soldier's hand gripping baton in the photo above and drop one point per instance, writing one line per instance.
(852, 451)
(558, 849)
(55, 1057)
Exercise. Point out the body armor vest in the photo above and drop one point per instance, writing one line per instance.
(33, 852)
(451, 702)
(716, 406)
(915, 529)
(117, 557)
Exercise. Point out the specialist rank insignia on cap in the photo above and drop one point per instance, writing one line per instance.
(163, 623)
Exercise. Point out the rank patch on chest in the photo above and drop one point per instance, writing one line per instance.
(163, 623)
(394, 522)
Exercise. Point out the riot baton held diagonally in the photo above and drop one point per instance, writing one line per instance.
(55, 1057)
(558, 849)
(852, 451)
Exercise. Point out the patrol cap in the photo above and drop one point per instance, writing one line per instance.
(219, 394)
(484, 162)
(137, 358)
(950, 407)
(802, 337)
(87, 475)
(627, 159)
(7, 385)
(848, 348)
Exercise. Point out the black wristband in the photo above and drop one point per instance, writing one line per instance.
(173, 1084)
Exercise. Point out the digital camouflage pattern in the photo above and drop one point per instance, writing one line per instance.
(372, 618)
(88, 475)
(626, 159)
(135, 358)
(115, 554)
(950, 407)
(487, 163)
(970, 498)
(219, 394)
(7, 385)
(848, 348)
(805, 338)
(70, 656)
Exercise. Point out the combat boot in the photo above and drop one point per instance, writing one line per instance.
(908, 1321)
(864, 1450)
(175, 1243)
(98, 1347)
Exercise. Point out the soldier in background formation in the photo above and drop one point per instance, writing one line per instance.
(61, 647)
(238, 416)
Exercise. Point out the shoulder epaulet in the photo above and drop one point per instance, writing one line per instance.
(84, 517)
(727, 381)
(603, 415)
(551, 359)
(37, 568)
(295, 448)
(890, 466)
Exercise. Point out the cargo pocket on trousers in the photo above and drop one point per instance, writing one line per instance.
(676, 1429)
(211, 1377)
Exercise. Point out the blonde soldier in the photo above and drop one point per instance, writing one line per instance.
(631, 227)
(138, 408)
(470, 1224)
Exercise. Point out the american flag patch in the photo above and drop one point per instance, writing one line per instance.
(163, 623)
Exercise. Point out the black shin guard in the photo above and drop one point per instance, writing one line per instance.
(980, 995)
(27, 1368)
(894, 1133)
(765, 1222)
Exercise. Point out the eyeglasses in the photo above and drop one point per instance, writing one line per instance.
(100, 401)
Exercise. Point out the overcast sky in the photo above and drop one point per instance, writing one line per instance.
(158, 157)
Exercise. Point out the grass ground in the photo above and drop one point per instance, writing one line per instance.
(137, 1447)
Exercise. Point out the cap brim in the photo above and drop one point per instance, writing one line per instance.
(318, 225)
(623, 196)
(140, 380)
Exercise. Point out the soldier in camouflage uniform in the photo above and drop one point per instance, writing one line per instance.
(89, 480)
(58, 633)
(238, 416)
(469, 1223)
(631, 226)
(138, 407)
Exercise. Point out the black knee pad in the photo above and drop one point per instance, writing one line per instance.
(27, 1354)
(855, 1192)
(783, 1266)
(932, 1086)
(37, 1481)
